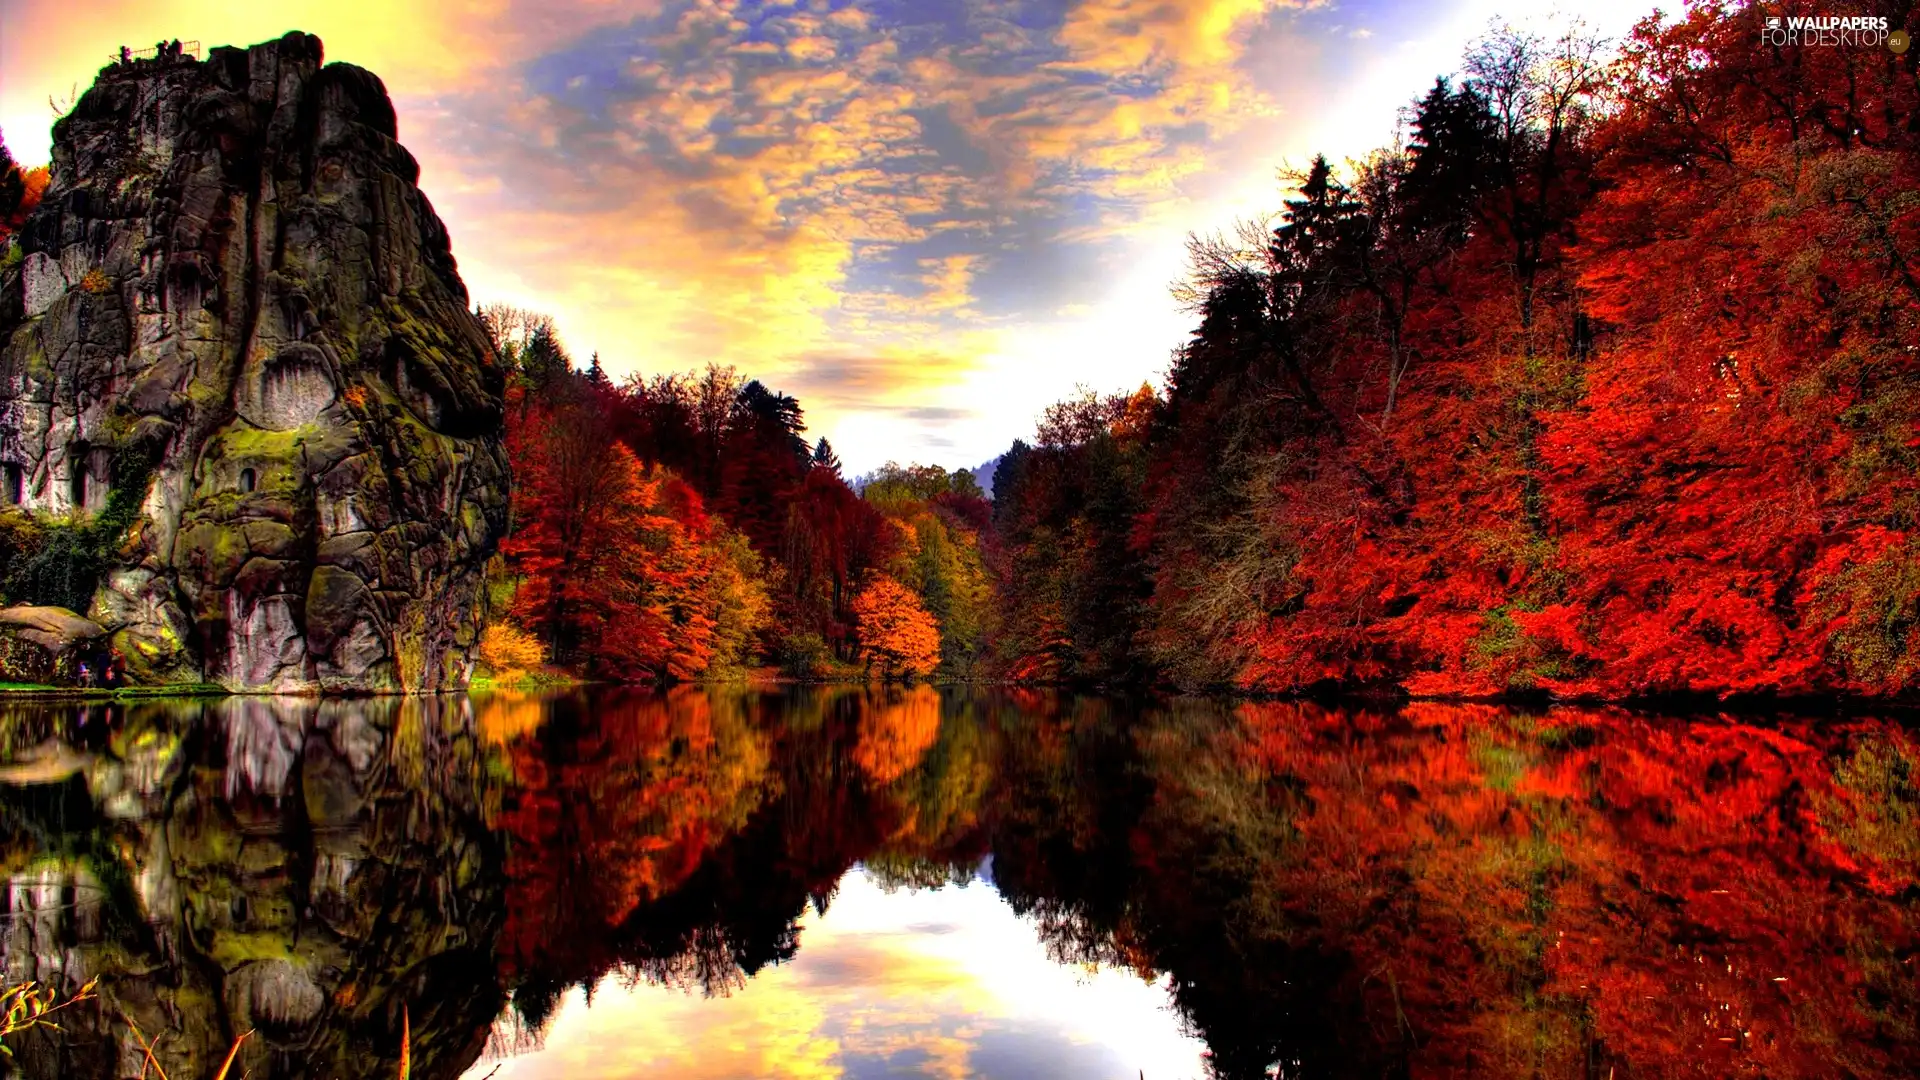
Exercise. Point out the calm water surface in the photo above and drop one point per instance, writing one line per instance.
(866, 883)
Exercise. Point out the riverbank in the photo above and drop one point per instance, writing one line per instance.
(1388, 700)
(38, 691)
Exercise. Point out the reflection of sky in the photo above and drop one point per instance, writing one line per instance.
(940, 983)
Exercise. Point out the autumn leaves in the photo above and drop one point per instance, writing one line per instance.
(679, 528)
(1602, 385)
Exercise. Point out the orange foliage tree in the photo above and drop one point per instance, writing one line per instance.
(621, 569)
(20, 191)
(896, 633)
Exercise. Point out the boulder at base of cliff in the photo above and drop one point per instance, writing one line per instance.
(46, 645)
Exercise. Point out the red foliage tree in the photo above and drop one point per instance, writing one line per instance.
(1560, 397)
(610, 555)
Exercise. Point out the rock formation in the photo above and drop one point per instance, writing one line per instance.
(234, 299)
(46, 645)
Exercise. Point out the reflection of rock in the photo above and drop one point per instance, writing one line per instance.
(51, 762)
(45, 645)
(275, 995)
(265, 865)
(234, 275)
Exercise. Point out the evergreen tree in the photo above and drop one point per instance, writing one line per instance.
(773, 415)
(1454, 160)
(543, 359)
(12, 185)
(824, 457)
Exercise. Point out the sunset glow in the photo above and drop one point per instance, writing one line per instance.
(926, 220)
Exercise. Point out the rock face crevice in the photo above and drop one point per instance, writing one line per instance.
(234, 275)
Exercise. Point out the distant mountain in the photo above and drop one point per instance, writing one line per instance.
(983, 475)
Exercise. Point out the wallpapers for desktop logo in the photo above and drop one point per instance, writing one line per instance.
(1851, 31)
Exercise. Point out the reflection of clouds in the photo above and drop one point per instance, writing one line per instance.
(934, 928)
(941, 983)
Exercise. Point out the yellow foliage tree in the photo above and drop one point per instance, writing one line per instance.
(510, 651)
(896, 633)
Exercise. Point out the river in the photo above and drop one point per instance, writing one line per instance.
(866, 882)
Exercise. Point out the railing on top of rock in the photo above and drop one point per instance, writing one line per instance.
(165, 50)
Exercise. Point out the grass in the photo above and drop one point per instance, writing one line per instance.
(122, 693)
(527, 680)
(27, 1005)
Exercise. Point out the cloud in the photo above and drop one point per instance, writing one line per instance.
(936, 414)
(885, 376)
(878, 203)
(847, 196)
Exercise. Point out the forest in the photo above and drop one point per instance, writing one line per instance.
(679, 527)
(1600, 382)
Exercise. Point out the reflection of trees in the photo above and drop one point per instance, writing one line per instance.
(297, 869)
(1441, 890)
(896, 731)
(679, 839)
(616, 802)
(1466, 891)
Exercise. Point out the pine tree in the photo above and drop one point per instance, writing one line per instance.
(543, 359)
(825, 458)
(12, 185)
(1453, 160)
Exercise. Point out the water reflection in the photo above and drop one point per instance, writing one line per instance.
(297, 869)
(859, 882)
(943, 983)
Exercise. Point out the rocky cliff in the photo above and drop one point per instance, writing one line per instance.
(235, 308)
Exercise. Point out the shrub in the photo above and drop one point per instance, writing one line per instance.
(61, 562)
(510, 651)
(804, 655)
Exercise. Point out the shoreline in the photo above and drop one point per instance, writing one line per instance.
(1837, 706)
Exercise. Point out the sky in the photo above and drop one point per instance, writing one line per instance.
(926, 219)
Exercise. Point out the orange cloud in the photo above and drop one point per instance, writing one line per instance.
(754, 183)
